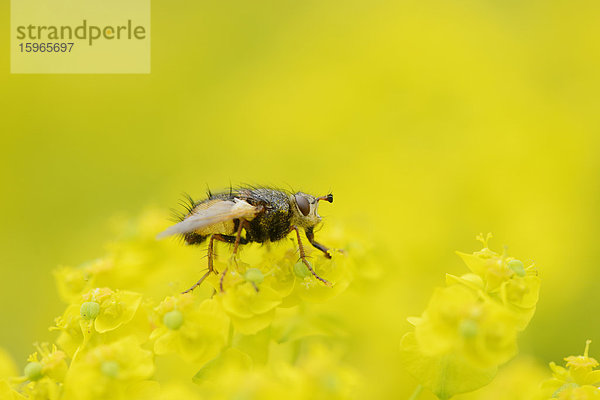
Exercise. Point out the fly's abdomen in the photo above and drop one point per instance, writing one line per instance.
(269, 226)
(194, 238)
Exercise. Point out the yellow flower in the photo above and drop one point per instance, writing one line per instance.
(111, 333)
(250, 293)
(579, 380)
(277, 278)
(457, 319)
(504, 279)
(196, 330)
(115, 308)
(119, 370)
(582, 367)
(284, 282)
(334, 269)
(52, 363)
(43, 375)
(496, 270)
(470, 326)
(99, 311)
(518, 294)
(250, 305)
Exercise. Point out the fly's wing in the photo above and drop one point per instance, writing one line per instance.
(221, 211)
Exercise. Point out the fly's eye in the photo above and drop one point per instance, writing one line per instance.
(303, 204)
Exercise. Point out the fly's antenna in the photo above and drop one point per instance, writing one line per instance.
(328, 198)
(230, 188)
(208, 192)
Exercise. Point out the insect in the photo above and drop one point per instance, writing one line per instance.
(265, 214)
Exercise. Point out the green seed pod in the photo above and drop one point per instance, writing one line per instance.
(89, 310)
(517, 267)
(173, 320)
(254, 275)
(110, 369)
(301, 270)
(468, 328)
(33, 371)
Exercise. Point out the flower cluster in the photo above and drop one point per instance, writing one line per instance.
(579, 380)
(470, 326)
(128, 332)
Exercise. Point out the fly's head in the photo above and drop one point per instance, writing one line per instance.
(304, 209)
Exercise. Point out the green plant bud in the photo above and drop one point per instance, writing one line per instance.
(301, 270)
(89, 310)
(110, 369)
(468, 328)
(254, 275)
(173, 320)
(517, 267)
(33, 371)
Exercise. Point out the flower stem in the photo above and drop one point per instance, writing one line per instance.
(416, 393)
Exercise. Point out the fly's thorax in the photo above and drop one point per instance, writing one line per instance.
(304, 210)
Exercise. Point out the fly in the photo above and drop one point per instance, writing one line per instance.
(264, 214)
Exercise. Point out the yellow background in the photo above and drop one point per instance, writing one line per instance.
(430, 121)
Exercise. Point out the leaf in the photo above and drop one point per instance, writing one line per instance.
(445, 375)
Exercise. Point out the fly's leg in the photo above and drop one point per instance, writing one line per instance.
(221, 280)
(236, 244)
(211, 253)
(238, 236)
(305, 261)
(310, 235)
(198, 283)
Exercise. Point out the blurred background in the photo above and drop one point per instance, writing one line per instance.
(430, 121)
